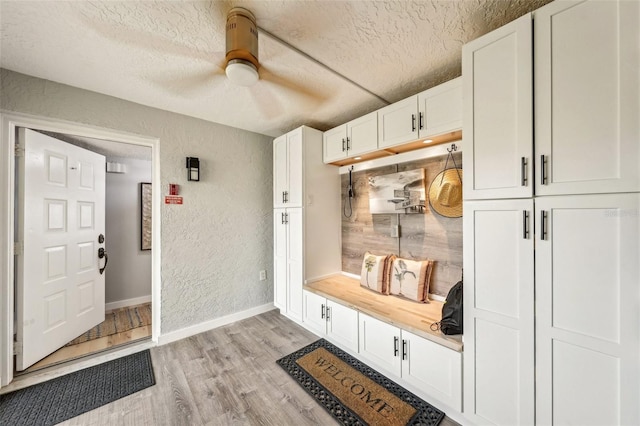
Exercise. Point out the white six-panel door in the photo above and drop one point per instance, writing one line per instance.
(587, 304)
(499, 312)
(60, 291)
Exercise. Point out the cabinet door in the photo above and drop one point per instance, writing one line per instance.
(294, 169)
(334, 144)
(587, 297)
(363, 134)
(433, 369)
(379, 343)
(295, 262)
(280, 260)
(280, 171)
(440, 109)
(342, 325)
(314, 312)
(499, 312)
(498, 120)
(398, 123)
(587, 79)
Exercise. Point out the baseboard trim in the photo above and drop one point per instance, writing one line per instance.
(127, 302)
(173, 336)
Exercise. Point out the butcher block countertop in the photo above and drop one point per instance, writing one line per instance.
(406, 314)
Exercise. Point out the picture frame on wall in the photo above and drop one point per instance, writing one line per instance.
(145, 216)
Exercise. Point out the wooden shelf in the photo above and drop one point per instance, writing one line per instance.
(406, 314)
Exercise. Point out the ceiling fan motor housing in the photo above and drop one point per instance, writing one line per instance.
(242, 36)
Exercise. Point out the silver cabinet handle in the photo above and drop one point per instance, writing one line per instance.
(523, 171)
(348, 146)
(322, 312)
(543, 170)
(343, 148)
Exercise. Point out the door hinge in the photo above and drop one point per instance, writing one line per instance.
(19, 151)
(17, 348)
(18, 248)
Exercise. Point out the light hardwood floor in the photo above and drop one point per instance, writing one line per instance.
(91, 347)
(222, 377)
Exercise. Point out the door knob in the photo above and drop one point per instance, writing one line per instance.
(102, 253)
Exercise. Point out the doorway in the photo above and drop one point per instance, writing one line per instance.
(90, 137)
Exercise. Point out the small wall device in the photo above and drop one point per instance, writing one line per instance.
(193, 168)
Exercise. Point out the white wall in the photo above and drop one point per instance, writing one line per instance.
(214, 245)
(128, 274)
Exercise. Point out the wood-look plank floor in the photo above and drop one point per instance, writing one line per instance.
(222, 377)
(68, 353)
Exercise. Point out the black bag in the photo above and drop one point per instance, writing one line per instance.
(451, 322)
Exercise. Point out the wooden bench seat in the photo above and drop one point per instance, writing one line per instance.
(406, 314)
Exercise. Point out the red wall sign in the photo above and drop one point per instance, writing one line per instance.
(172, 199)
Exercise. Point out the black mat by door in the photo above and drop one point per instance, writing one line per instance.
(68, 396)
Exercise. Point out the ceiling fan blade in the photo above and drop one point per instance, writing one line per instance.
(314, 95)
(181, 84)
(267, 103)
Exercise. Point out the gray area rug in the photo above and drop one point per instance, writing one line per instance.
(68, 396)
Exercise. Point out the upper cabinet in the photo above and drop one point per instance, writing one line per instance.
(287, 169)
(434, 114)
(498, 113)
(431, 113)
(587, 103)
(440, 109)
(398, 122)
(354, 138)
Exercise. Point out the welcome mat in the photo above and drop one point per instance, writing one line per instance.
(117, 321)
(68, 396)
(354, 393)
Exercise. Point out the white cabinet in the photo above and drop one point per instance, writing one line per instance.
(431, 113)
(287, 169)
(586, 64)
(306, 218)
(498, 116)
(357, 137)
(499, 311)
(337, 322)
(587, 97)
(440, 109)
(587, 303)
(427, 368)
(398, 123)
(288, 261)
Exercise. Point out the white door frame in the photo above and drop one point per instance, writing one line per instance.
(9, 121)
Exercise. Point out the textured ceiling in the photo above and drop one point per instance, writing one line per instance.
(166, 54)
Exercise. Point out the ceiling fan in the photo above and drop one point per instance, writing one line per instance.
(241, 47)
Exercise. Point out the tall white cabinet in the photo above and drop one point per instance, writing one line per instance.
(551, 225)
(306, 217)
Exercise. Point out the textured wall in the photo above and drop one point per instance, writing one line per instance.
(422, 236)
(128, 274)
(216, 242)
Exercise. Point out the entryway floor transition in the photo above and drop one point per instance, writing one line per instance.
(121, 327)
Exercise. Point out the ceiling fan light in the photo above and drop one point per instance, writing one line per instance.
(241, 73)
